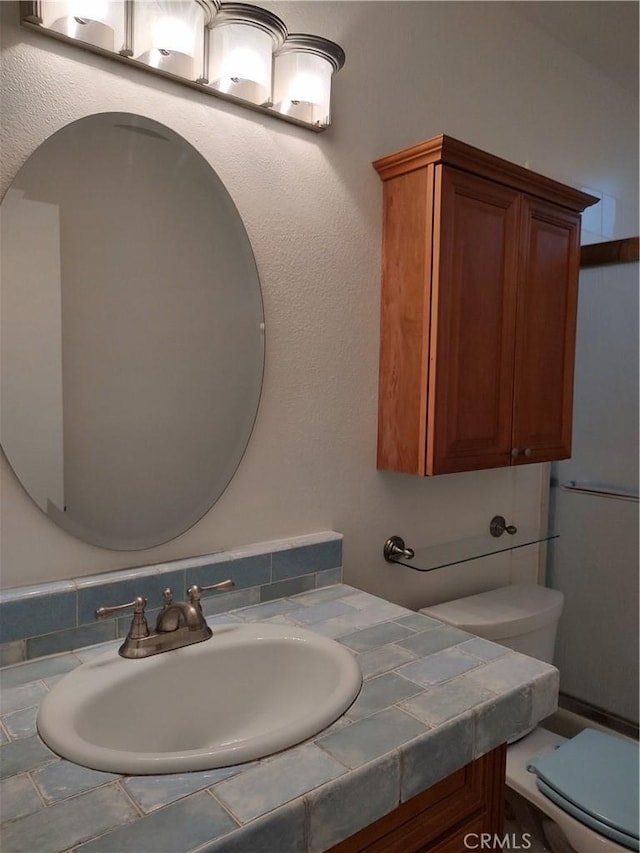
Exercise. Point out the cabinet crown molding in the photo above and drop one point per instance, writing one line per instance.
(452, 152)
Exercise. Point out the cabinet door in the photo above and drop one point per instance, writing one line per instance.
(473, 300)
(545, 332)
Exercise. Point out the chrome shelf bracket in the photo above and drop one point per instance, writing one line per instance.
(394, 549)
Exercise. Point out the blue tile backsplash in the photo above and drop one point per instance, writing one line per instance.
(50, 618)
(48, 612)
(248, 572)
(325, 555)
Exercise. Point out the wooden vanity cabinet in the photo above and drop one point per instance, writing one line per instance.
(467, 803)
(478, 311)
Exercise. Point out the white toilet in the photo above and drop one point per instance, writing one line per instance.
(587, 786)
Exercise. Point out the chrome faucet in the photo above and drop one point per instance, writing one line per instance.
(178, 624)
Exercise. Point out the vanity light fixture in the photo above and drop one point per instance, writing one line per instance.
(229, 50)
(241, 46)
(97, 22)
(303, 69)
(170, 35)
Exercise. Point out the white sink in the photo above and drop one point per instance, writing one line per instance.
(249, 691)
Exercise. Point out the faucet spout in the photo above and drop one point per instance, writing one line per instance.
(179, 615)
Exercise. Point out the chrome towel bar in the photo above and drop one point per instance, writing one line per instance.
(600, 490)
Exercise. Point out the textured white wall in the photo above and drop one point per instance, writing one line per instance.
(312, 207)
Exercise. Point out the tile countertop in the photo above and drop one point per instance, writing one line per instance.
(433, 699)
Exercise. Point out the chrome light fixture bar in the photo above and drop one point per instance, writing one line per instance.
(233, 51)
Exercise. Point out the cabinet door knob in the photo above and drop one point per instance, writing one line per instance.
(515, 452)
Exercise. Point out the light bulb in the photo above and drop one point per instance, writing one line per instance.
(306, 87)
(172, 34)
(245, 64)
(90, 10)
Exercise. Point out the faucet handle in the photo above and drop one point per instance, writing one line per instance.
(167, 598)
(195, 591)
(139, 603)
(139, 627)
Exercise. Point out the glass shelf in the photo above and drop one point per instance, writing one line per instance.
(461, 551)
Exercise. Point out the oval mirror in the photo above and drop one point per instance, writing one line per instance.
(132, 331)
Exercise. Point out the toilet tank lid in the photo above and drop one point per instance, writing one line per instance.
(501, 613)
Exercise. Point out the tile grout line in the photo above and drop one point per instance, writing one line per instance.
(119, 783)
(45, 804)
(36, 787)
(224, 807)
(75, 847)
(4, 729)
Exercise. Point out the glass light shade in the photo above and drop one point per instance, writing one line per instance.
(302, 87)
(241, 46)
(303, 69)
(169, 35)
(97, 22)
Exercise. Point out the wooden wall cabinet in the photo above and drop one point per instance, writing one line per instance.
(478, 311)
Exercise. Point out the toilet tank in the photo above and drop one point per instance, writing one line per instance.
(523, 618)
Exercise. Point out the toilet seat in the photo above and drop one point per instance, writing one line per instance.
(594, 778)
(581, 837)
(628, 841)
